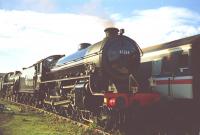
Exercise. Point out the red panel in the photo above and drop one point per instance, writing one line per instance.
(144, 99)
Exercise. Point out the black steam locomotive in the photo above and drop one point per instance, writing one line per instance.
(96, 81)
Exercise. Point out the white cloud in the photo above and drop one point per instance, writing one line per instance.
(27, 36)
(43, 34)
(154, 26)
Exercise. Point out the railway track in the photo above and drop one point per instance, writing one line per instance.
(59, 117)
(85, 126)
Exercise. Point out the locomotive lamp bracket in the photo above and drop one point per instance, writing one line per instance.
(133, 84)
(121, 31)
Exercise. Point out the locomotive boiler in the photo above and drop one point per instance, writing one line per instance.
(112, 59)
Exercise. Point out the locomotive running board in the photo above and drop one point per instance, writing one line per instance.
(66, 79)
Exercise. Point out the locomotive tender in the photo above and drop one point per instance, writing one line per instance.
(96, 81)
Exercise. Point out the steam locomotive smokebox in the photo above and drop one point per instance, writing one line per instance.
(110, 32)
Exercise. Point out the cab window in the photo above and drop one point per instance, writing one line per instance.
(166, 62)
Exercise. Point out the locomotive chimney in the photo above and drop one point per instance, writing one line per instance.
(111, 32)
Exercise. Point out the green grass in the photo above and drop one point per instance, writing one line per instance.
(38, 125)
(17, 122)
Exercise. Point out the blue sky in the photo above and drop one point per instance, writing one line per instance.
(125, 7)
(33, 29)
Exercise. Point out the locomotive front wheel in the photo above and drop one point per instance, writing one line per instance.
(106, 119)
